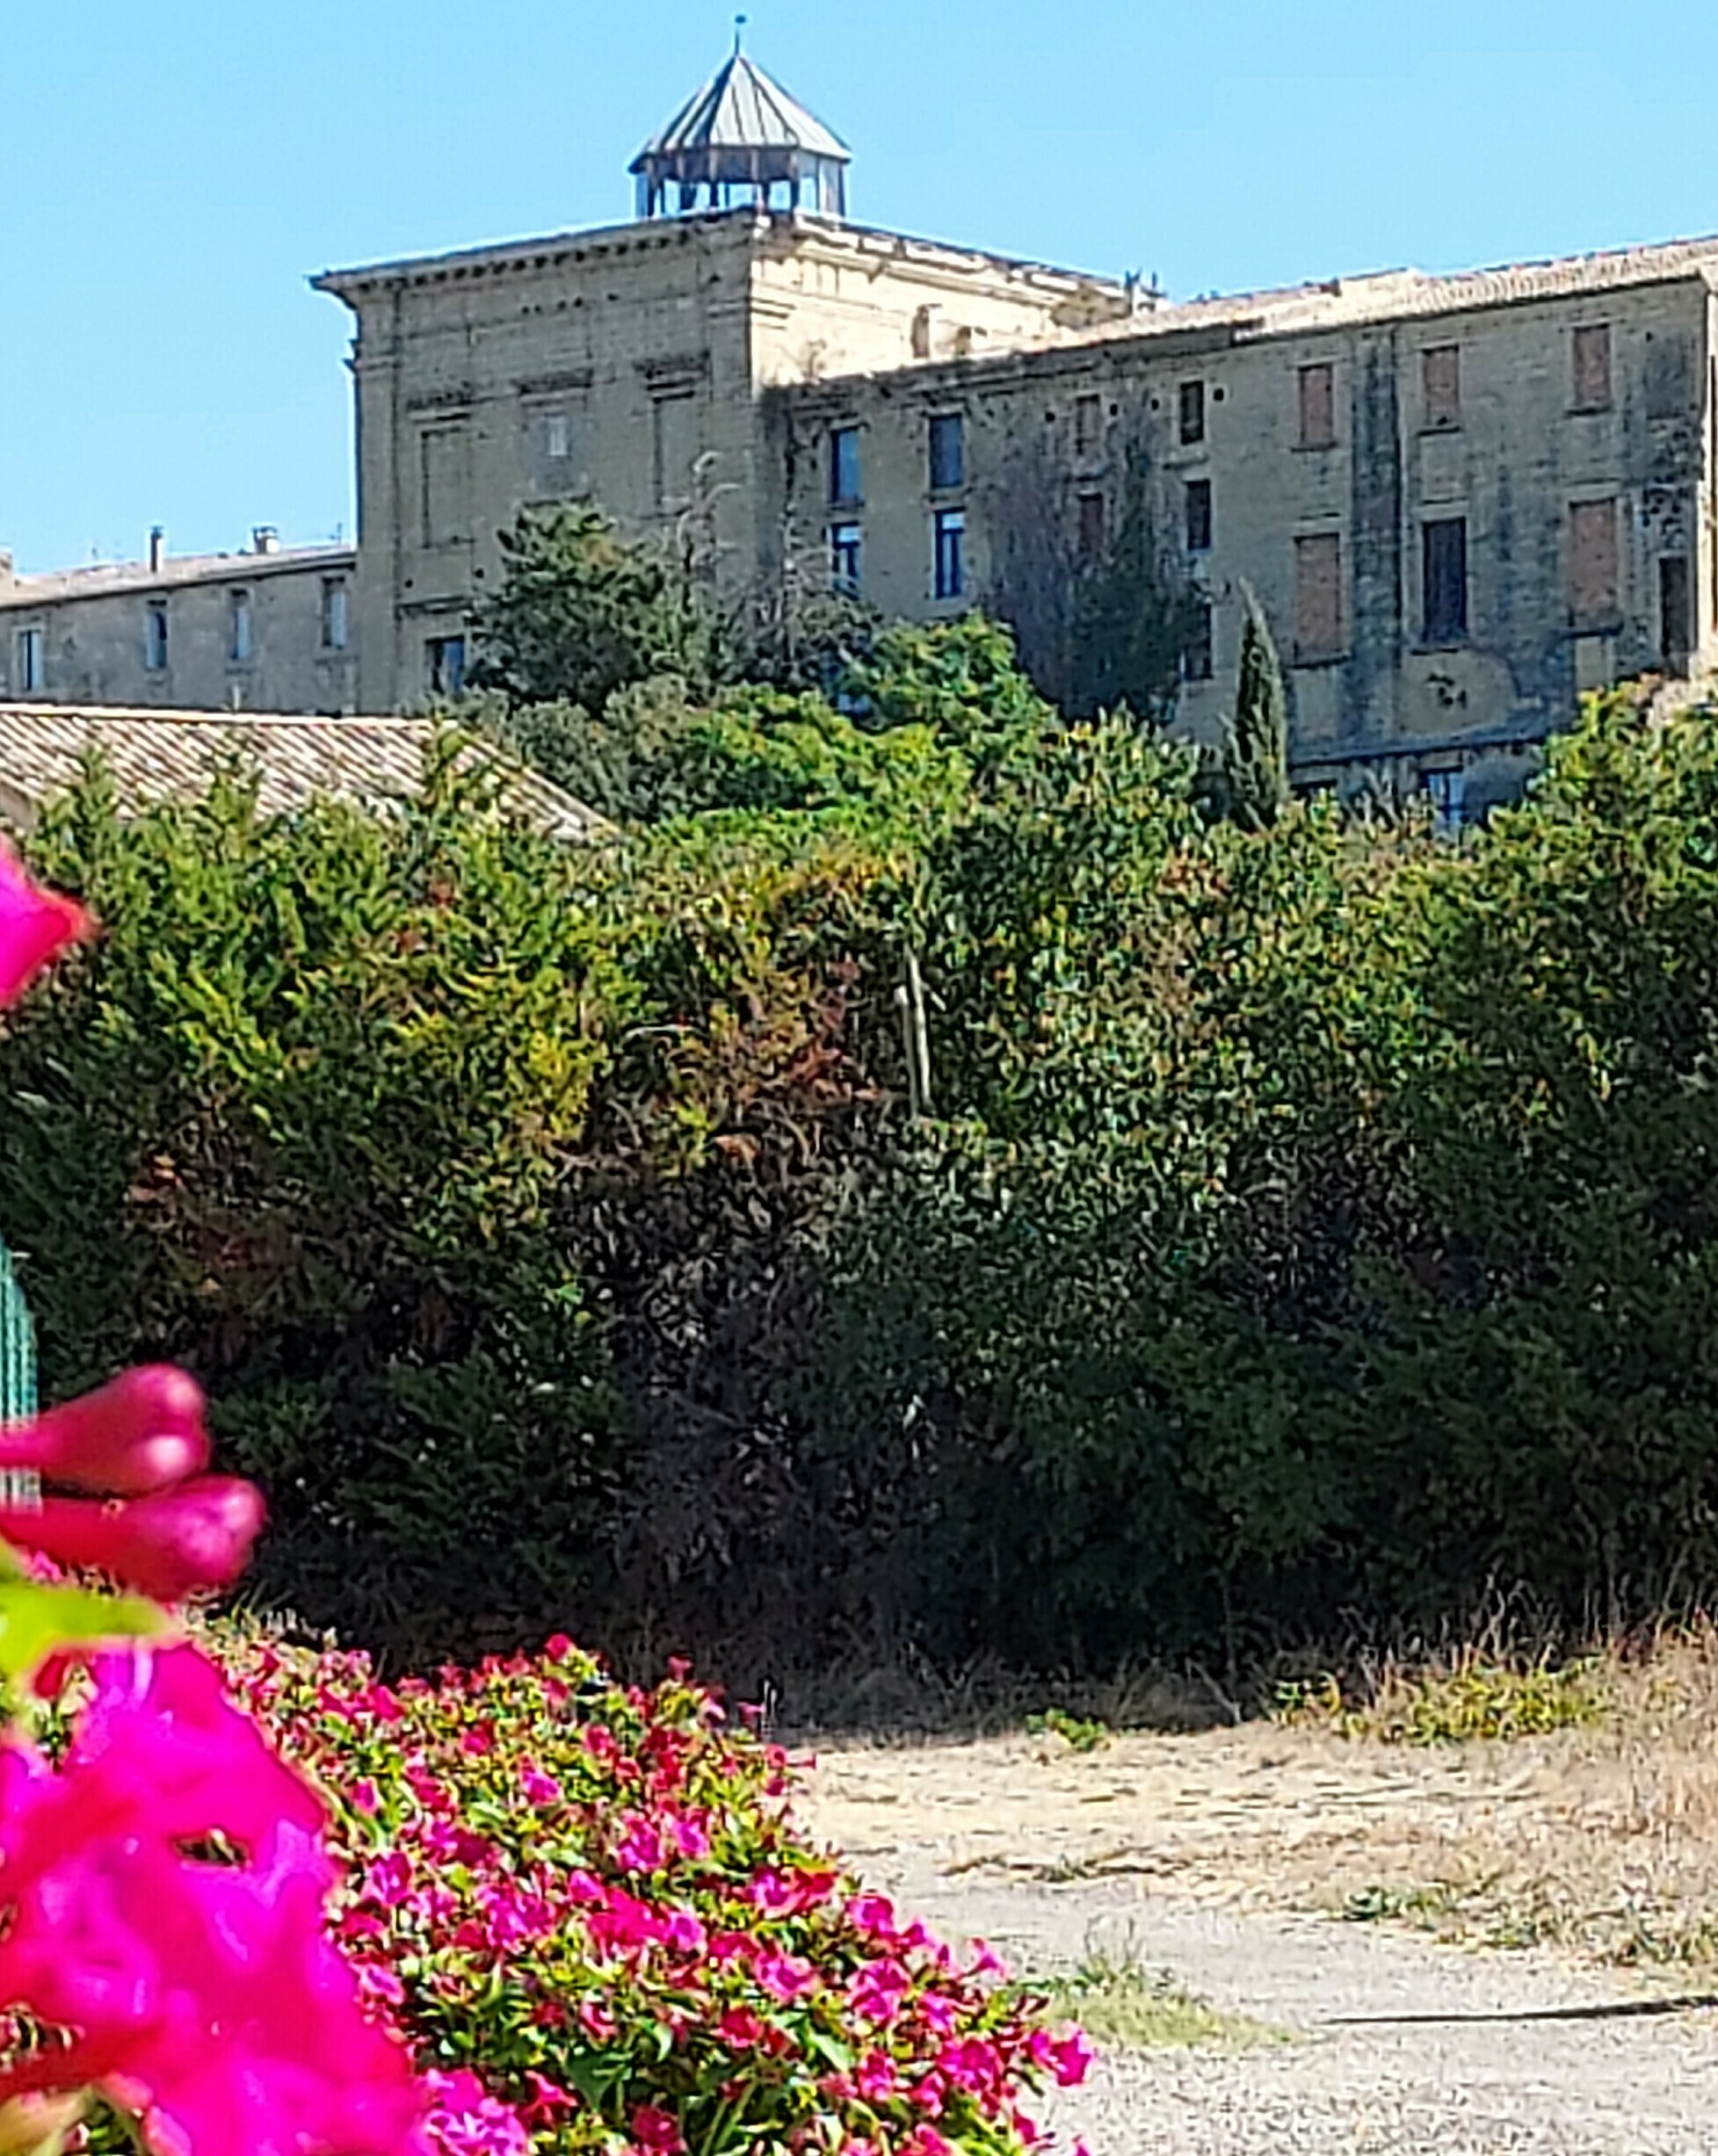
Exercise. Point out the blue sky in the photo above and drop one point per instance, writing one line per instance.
(173, 173)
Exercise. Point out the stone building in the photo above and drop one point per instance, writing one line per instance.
(269, 630)
(1460, 500)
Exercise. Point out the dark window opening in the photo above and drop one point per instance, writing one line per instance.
(1199, 516)
(1676, 593)
(1193, 412)
(446, 656)
(1444, 580)
(1318, 407)
(844, 464)
(1093, 527)
(950, 541)
(948, 452)
(1440, 377)
(846, 556)
(1198, 652)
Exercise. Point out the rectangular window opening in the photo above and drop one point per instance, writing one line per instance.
(1193, 412)
(155, 636)
(1198, 652)
(1093, 529)
(1318, 407)
(337, 613)
(1593, 367)
(1444, 580)
(558, 437)
(1199, 516)
(845, 471)
(948, 452)
(949, 541)
(1440, 380)
(1592, 560)
(1675, 612)
(31, 669)
(447, 665)
(1088, 426)
(241, 630)
(1318, 595)
(847, 557)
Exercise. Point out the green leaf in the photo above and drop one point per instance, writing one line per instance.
(36, 1622)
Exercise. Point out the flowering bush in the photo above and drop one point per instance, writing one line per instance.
(593, 1911)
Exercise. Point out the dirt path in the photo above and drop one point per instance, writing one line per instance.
(1190, 1856)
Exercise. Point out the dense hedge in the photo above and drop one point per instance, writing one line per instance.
(1320, 1219)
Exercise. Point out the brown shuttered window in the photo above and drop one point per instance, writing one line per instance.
(1592, 560)
(1318, 595)
(1593, 367)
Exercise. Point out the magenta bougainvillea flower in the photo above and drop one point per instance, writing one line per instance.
(143, 1433)
(165, 1890)
(35, 926)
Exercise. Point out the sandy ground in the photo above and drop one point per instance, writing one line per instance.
(1212, 1856)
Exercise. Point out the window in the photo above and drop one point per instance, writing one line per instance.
(1318, 407)
(949, 541)
(1197, 652)
(1440, 384)
(557, 437)
(1093, 532)
(1676, 627)
(1444, 580)
(1592, 560)
(844, 477)
(1088, 426)
(1199, 516)
(1193, 412)
(846, 556)
(444, 485)
(948, 452)
(1318, 595)
(1593, 367)
(240, 642)
(155, 636)
(337, 613)
(674, 447)
(29, 670)
(447, 665)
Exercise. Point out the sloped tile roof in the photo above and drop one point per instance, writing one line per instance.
(156, 755)
(44, 587)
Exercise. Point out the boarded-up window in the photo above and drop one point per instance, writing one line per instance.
(1440, 379)
(1670, 377)
(1592, 560)
(675, 430)
(1593, 367)
(1318, 595)
(446, 485)
(1088, 426)
(1444, 580)
(1318, 407)
(1094, 526)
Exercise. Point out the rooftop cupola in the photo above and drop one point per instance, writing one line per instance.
(742, 141)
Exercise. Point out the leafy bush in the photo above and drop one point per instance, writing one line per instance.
(1477, 1699)
(590, 1909)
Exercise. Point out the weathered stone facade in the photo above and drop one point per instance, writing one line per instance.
(270, 630)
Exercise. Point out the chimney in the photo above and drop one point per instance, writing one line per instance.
(265, 539)
(157, 550)
(8, 568)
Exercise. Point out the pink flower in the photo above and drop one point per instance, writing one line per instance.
(640, 1847)
(178, 1543)
(143, 1433)
(1068, 2056)
(597, 2021)
(876, 2079)
(785, 1977)
(658, 2131)
(468, 2121)
(35, 926)
(740, 2027)
(928, 2142)
(539, 1788)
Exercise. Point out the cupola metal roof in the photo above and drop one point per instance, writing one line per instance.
(741, 139)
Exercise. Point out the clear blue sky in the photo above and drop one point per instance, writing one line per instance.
(174, 172)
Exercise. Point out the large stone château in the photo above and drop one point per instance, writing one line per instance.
(1461, 500)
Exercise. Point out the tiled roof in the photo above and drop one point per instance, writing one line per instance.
(739, 108)
(155, 755)
(99, 576)
(1398, 294)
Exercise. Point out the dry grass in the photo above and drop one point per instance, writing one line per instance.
(1607, 1838)
(1498, 1799)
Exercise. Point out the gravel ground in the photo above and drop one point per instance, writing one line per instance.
(1627, 2086)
